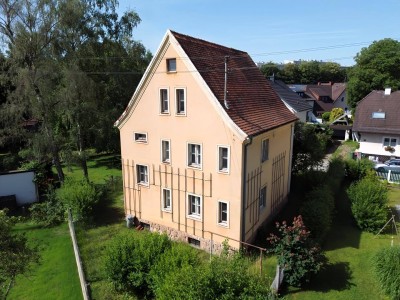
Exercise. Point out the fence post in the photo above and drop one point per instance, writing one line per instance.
(389, 175)
(84, 287)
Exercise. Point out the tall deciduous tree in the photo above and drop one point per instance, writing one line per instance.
(377, 67)
(55, 50)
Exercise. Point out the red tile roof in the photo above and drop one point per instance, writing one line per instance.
(253, 104)
(377, 101)
(331, 90)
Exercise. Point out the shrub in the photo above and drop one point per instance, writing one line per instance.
(387, 269)
(296, 252)
(335, 173)
(304, 182)
(317, 212)
(129, 260)
(48, 213)
(369, 198)
(326, 116)
(175, 258)
(358, 169)
(336, 113)
(223, 278)
(80, 196)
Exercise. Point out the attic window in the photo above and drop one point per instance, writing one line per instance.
(140, 137)
(378, 115)
(171, 65)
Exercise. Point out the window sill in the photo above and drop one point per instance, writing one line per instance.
(180, 114)
(166, 162)
(171, 72)
(224, 225)
(196, 167)
(167, 210)
(194, 217)
(164, 113)
(143, 184)
(224, 171)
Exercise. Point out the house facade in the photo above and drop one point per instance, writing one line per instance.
(377, 125)
(205, 144)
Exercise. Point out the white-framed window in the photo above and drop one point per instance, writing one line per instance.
(223, 159)
(264, 150)
(166, 199)
(180, 101)
(140, 137)
(263, 198)
(164, 101)
(389, 141)
(194, 206)
(165, 151)
(194, 155)
(171, 64)
(223, 213)
(142, 174)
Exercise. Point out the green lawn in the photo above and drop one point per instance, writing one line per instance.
(108, 221)
(56, 276)
(349, 274)
(100, 168)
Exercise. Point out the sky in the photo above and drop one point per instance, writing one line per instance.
(277, 31)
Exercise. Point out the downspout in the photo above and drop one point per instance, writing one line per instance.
(246, 143)
(290, 157)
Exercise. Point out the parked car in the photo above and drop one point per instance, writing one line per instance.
(392, 164)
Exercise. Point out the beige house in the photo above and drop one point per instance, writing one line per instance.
(206, 145)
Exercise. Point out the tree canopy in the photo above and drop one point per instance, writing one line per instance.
(64, 62)
(307, 72)
(377, 67)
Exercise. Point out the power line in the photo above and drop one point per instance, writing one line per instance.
(304, 50)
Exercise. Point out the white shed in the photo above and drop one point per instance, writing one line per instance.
(21, 184)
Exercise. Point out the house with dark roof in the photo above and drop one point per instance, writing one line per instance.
(377, 125)
(206, 145)
(294, 102)
(323, 96)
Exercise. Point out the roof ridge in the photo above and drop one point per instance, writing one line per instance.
(211, 44)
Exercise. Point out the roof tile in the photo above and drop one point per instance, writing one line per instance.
(253, 105)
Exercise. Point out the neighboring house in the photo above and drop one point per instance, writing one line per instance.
(17, 188)
(294, 102)
(200, 164)
(377, 125)
(325, 96)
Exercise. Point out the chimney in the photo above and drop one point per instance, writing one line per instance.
(388, 91)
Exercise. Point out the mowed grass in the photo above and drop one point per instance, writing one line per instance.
(108, 221)
(100, 168)
(56, 276)
(349, 273)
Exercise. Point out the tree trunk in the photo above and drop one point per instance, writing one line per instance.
(57, 162)
(9, 288)
(82, 155)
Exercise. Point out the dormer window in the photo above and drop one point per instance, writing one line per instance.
(378, 115)
(171, 65)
